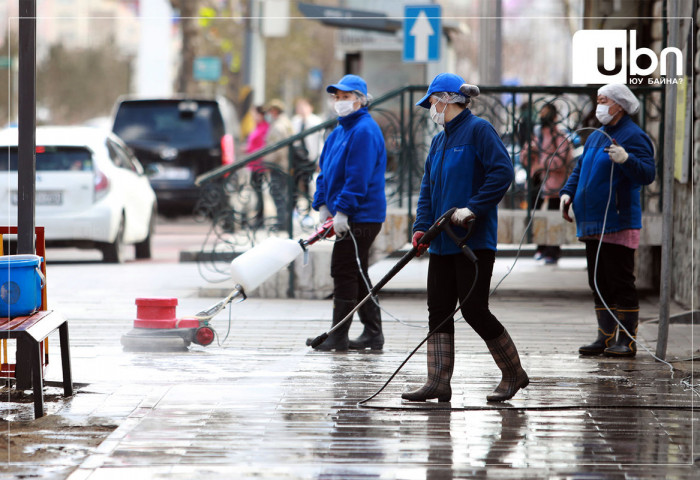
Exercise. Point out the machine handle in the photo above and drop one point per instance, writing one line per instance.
(443, 225)
(437, 227)
(462, 242)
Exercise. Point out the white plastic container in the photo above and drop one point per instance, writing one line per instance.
(252, 268)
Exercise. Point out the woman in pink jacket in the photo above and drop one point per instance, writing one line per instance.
(548, 145)
(257, 140)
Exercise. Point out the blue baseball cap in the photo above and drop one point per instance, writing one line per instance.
(349, 83)
(444, 82)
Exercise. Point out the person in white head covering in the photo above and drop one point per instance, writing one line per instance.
(618, 221)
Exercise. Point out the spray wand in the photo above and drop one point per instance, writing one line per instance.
(442, 224)
(324, 231)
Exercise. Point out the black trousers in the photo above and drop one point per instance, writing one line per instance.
(449, 279)
(279, 193)
(347, 281)
(257, 179)
(615, 275)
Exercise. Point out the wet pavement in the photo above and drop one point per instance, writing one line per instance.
(262, 405)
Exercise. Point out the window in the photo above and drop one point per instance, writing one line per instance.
(50, 159)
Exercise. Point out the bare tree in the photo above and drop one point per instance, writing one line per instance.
(188, 23)
(78, 84)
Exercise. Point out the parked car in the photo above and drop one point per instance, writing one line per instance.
(91, 192)
(177, 139)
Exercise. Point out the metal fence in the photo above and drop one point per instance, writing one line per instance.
(239, 199)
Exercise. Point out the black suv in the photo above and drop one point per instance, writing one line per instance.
(176, 139)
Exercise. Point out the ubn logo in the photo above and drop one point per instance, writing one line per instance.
(613, 43)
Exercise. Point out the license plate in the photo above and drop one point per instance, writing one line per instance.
(166, 172)
(42, 198)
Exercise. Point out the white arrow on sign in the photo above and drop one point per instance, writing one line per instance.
(421, 31)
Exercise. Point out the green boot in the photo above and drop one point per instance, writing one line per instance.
(607, 327)
(626, 345)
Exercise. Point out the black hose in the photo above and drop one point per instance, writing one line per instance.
(443, 406)
(361, 403)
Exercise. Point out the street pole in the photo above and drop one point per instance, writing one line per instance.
(26, 125)
(490, 42)
(254, 53)
(667, 186)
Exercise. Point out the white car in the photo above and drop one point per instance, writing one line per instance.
(91, 192)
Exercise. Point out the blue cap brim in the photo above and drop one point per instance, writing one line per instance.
(337, 86)
(423, 102)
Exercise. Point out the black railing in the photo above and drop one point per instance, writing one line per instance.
(238, 201)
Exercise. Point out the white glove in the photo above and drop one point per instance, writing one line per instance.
(340, 223)
(564, 204)
(324, 213)
(462, 216)
(617, 153)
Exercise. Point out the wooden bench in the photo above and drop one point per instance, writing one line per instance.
(32, 332)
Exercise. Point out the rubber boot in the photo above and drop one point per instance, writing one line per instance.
(626, 345)
(513, 377)
(607, 327)
(337, 340)
(371, 337)
(441, 362)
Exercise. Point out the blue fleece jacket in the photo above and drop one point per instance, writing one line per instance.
(589, 183)
(353, 163)
(467, 166)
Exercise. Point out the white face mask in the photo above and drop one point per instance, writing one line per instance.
(602, 113)
(344, 107)
(438, 118)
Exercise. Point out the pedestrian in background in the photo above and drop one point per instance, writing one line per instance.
(631, 157)
(280, 129)
(468, 167)
(350, 188)
(306, 150)
(304, 119)
(255, 142)
(549, 147)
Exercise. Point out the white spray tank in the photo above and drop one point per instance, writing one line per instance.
(252, 268)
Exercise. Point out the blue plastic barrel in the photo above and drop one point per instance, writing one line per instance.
(21, 282)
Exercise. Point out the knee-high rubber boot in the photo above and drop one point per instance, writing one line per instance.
(372, 336)
(607, 327)
(337, 340)
(441, 362)
(506, 356)
(626, 345)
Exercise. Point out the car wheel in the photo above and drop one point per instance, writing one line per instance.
(143, 249)
(114, 252)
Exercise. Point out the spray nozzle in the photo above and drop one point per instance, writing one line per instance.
(324, 231)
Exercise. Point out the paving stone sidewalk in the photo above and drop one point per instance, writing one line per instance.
(263, 405)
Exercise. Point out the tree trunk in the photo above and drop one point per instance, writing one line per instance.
(188, 25)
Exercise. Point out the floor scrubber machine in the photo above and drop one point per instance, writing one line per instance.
(157, 328)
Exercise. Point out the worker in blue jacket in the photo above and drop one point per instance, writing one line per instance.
(468, 167)
(350, 188)
(630, 156)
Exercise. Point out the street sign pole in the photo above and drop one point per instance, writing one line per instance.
(26, 168)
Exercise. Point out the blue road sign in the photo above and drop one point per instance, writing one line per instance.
(207, 68)
(421, 33)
